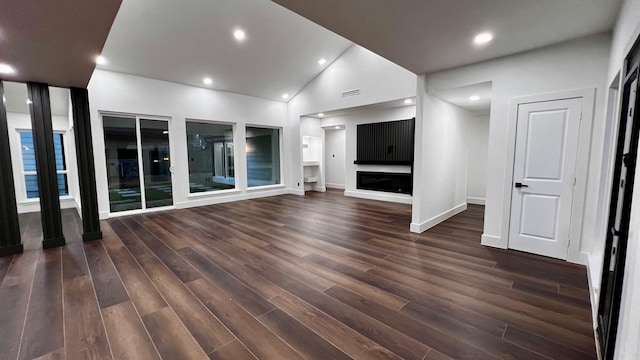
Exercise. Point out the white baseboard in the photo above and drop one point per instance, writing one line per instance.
(594, 273)
(33, 205)
(257, 193)
(476, 201)
(582, 258)
(493, 241)
(296, 192)
(381, 196)
(319, 188)
(335, 186)
(425, 225)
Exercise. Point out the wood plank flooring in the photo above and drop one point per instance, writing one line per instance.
(289, 277)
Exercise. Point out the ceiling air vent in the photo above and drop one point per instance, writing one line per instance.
(351, 92)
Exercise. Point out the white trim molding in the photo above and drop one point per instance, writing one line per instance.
(335, 186)
(381, 196)
(476, 200)
(425, 225)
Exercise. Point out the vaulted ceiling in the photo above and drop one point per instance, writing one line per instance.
(56, 42)
(429, 35)
(187, 41)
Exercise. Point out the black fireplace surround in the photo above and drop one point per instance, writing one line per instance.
(383, 181)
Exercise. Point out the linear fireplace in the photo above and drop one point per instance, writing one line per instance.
(383, 181)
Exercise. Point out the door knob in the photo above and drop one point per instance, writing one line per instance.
(521, 185)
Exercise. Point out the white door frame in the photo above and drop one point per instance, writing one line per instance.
(588, 96)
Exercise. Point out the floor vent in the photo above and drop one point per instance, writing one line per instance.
(351, 93)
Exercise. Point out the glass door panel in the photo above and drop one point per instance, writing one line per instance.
(154, 138)
(230, 162)
(121, 148)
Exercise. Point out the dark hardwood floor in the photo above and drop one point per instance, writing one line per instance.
(289, 277)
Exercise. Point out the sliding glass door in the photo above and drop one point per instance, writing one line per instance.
(138, 163)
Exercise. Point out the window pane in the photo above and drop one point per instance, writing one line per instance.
(211, 161)
(121, 149)
(28, 153)
(263, 156)
(29, 164)
(58, 148)
(154, 136)
(31, 182)
(63, 186)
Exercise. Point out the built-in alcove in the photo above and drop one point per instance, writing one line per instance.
(311, 158)
(341, 159)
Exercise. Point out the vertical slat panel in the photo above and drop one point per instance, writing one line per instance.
(374, 140)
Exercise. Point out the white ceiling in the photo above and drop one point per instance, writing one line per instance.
(16, 96)
(429, 35)
(185, 41)
(461, 96)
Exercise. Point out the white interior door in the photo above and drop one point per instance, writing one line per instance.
(335, 145)
(544, 176)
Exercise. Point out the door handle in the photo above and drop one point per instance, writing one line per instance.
(521, 185)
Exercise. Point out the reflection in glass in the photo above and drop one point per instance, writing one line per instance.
(156, 162)
(121, 151)
(211, 161)
(263, 156)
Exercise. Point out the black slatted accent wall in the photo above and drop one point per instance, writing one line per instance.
(388, 142)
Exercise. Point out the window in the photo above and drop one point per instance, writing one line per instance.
(211, 158)
(263, 156)
(29, 164)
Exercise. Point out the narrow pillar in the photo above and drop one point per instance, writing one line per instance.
(42, 128)
(86, 166)
(10, 242)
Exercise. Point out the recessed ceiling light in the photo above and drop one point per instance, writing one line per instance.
(483, 38)
(285, 96)
(408, 101)
(320, 114)
(207, 81)
(337, 127)
(100, 60)
(6, 69)
(474, 98)
(322, 61)
(239, 34)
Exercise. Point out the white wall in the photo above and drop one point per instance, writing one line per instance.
(440, 180)
(22, 121)
(477, 139)
(626, 32)
(335, 160)
(378, 79)
(350, 123)
(121, 93)
(578, 64)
